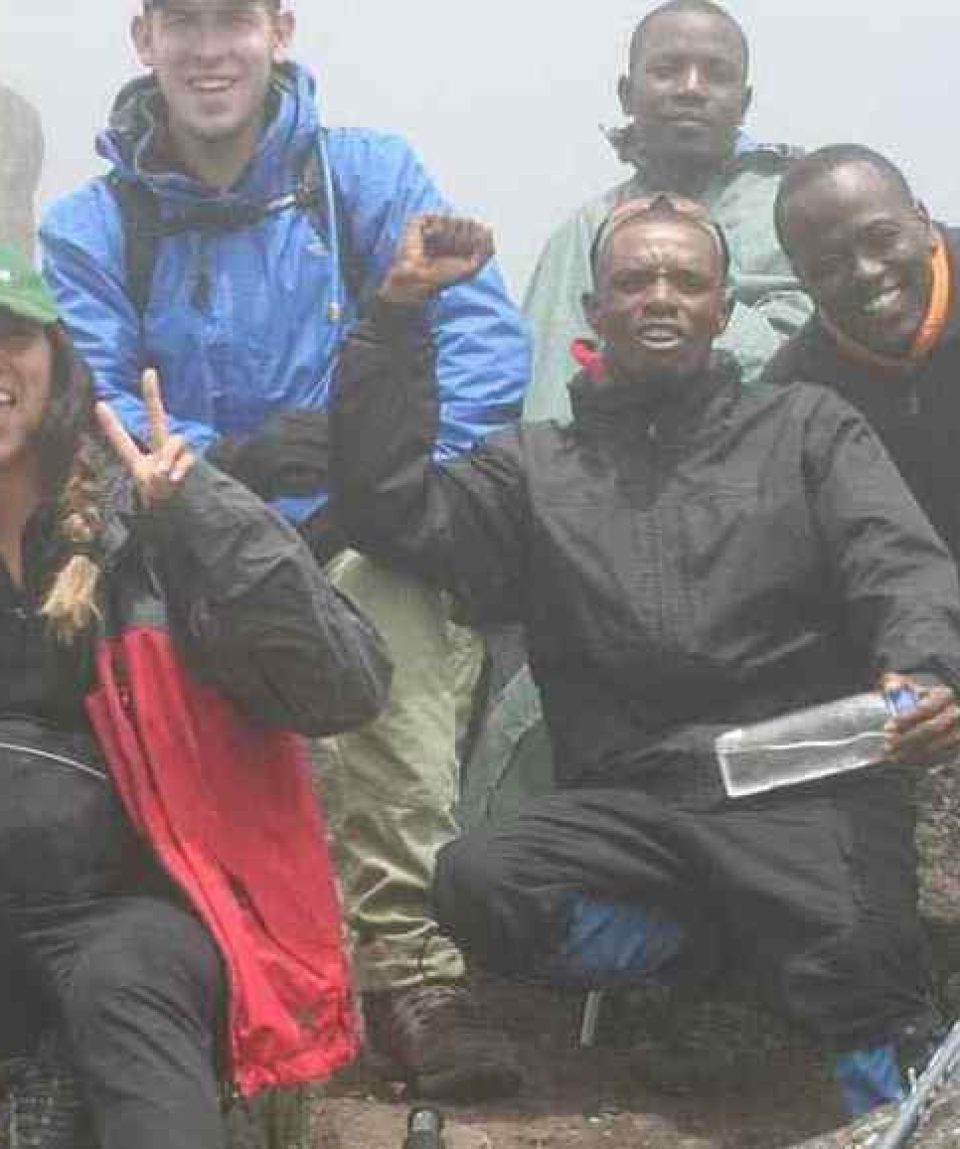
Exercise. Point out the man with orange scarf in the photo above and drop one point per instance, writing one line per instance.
(886, 333)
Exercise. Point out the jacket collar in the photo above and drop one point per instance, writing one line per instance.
(747, 152)
(620, 407)
(951, 237)
(949, 331)
(135, 144)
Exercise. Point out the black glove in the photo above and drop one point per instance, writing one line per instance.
(323, 535)
(288, 456)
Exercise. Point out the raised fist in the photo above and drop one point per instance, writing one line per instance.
(436, 251)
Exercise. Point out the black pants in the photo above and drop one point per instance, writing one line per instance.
(812, 894)
(135, 983)
(99, 938)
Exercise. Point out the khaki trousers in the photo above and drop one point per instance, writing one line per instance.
(391, 788)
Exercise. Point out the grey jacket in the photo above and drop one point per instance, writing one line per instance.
(769, 305)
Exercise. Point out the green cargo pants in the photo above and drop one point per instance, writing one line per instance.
(391, 789)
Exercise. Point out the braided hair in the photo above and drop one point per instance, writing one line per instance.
(71, 464)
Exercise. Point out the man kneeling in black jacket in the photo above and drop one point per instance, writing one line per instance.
(685, 557)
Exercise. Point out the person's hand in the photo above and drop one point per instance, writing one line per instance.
(927, 733)
(289, 455)
(160, 471)
(436, 251)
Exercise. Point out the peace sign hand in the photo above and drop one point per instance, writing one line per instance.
(158, 473)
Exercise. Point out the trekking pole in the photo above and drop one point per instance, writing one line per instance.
(424, 1129)
(912, 1111)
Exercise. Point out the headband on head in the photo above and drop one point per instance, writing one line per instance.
(149, 5)
(661, 206)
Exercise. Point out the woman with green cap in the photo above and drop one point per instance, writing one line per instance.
(164, 881)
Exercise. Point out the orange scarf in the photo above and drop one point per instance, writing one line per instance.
(929, 332)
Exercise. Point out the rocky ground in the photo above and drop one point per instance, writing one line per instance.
(701, 1077)
(666, 1073)
(696, 1075)
(675, 1073)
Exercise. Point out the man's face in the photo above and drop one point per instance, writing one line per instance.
(687, 90)
(213, 61)
(660, 299)
(862, 250)
(26, 370)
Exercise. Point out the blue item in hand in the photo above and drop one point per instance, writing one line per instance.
(901, 700)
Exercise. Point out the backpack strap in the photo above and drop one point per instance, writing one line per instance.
(313, 185)
(142, 231)
(144, 228)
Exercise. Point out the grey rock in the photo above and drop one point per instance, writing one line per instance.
(21, 160)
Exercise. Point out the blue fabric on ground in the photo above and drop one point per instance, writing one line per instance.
(868, 1078)
(609, 944)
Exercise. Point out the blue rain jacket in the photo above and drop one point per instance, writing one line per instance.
(246, 322)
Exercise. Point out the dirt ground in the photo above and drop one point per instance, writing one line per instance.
(664, 1073)
(696, 1076)
(669, 1073)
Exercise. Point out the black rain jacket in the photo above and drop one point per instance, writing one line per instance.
(715, 559)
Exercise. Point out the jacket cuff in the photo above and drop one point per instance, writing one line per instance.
(928, 680)
(398, 323)
(208, 506)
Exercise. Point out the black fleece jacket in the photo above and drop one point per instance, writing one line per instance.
(916, 411)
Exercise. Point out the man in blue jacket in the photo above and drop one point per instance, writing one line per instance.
(229, 247)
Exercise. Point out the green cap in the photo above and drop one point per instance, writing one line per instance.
(22, 289)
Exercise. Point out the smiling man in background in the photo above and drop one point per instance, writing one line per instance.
(686, 95)
(886, 283)
(230, 247)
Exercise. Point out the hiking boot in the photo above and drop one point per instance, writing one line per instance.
(446, 1050)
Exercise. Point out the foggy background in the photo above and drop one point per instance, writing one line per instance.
(503, 99)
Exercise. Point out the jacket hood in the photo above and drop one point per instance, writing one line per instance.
(134, 142)
(627, 142)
